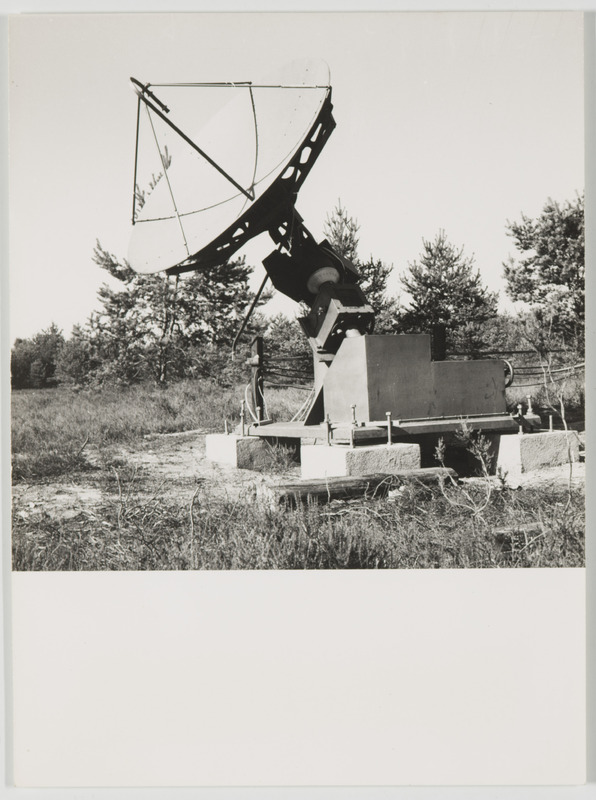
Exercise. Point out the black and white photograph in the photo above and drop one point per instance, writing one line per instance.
(272, 311)
(297, 300)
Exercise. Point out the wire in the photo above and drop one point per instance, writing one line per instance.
(134, 182)
(539, 383)
(240, 84)
(265, 410)
(165, 172)
(289, 386)
(254, 114)
(288, 373)
(541, 368)
(190, 213)
(305, 358)
(503, 352)
(305, 407)
(249, 314)
(247, 402)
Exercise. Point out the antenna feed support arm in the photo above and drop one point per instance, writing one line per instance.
(142, 90)
(144, 93)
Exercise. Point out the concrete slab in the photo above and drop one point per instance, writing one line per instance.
(242, 452)
(531, 451)
(322, 461)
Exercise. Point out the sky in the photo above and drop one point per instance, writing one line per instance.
(445, 120)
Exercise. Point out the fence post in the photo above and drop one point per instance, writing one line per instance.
(258, 396)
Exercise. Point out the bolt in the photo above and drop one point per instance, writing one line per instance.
(389, 428)
(354, 415)
(520, 417)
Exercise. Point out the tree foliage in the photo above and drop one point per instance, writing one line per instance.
(77, 360)
(287, 352)
(33, 361)
(164, 327)
(158, 326)
(549, 274)
(151, 325)
(446, 290)
(341, 231)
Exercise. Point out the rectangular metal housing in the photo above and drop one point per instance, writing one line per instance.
(378, 374)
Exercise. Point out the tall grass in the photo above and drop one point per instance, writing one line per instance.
(421, 528)
(139, 525)
(52, 429)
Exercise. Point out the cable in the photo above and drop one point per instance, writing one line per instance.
(305, 407)
(134, 183)
(265, 410)
(254, 114)
(247, 403)
(165, 172)
(539, 383)
(288, 386)
(236, 84)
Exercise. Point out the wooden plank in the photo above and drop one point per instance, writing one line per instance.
(346, 487)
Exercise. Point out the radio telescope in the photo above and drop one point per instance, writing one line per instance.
(212, 187)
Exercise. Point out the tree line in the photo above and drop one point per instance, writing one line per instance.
(163, 328)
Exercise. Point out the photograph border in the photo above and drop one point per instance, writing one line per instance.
(589, 789)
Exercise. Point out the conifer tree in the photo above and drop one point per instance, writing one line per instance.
(341, 231)
(446, 290)
(148, 324)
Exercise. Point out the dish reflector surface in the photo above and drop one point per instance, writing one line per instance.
(252, 138)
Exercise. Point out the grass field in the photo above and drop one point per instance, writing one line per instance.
(51, 429)
(143, 521)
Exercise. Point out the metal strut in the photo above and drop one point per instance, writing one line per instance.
(248, 315)
(142, 92)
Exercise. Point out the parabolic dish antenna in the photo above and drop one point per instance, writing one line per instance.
(205, 187)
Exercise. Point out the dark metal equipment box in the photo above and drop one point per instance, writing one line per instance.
(378, 374)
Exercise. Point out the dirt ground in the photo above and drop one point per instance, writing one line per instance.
(173, 466)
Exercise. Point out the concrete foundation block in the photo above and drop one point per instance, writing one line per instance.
(531, 451)
(322, 461)
(242, 452)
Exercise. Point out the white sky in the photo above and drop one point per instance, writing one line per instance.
(444, 120)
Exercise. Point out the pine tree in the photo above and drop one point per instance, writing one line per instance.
(341, 231)
(445, 290)
(149, 324)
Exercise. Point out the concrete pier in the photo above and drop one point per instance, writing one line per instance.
(242, 452)
(518, 454)
(322, 461)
